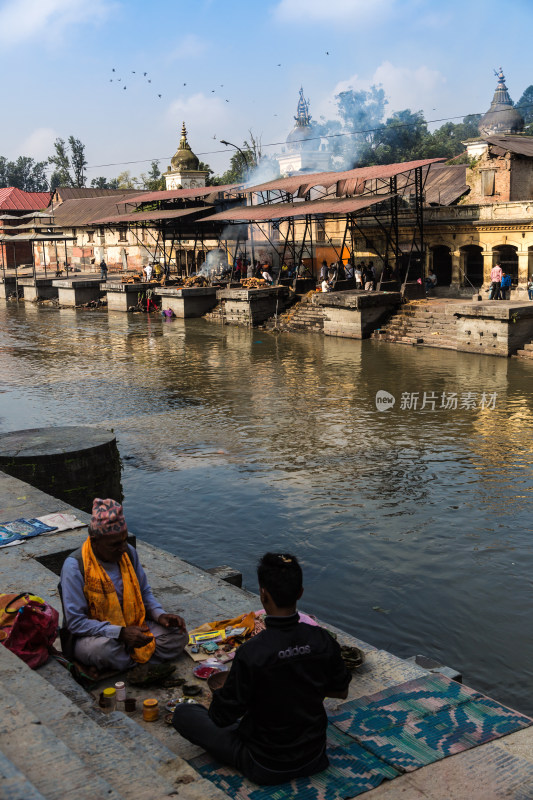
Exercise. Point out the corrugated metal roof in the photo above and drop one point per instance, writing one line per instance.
(521, 145)
(445, 184)
(78, 192)
(146, 216)
(184, 194)
(270, 211)
(13, 199)
(347, 181)
(72, 213)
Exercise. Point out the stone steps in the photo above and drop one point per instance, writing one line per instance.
(526, 352)
(303, 316)
(56, 746)
(424, 325)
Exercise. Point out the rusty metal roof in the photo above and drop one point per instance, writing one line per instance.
(521, 145)
(182, 194)
(146, 216)
(348, 181)
(270, 211)
(73, 213)
(78, 192)
(13, 199)
(445, 184)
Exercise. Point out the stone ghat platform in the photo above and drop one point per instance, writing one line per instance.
(187, 301)
(121, 296)
(75, 291)
(55, 742)
(252, 306)
(497, 328)
(354, 314)
(38, 288)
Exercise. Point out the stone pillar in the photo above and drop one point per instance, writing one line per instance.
(428, 262)
(457, 267)
(523, 257)
(487, 266)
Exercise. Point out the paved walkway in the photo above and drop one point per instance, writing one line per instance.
(503, 769)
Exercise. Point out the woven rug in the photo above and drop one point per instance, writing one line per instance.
(381, 736)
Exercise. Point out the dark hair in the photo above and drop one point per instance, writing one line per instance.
(281, 575)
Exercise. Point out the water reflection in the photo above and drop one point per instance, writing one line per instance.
(235, 441)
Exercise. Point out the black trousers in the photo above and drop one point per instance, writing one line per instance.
(496, 290)
(225, 745)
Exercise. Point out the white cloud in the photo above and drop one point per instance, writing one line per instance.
(188, 46)
(405, 87)
(23, 20)
(332, 12)
(39, 144)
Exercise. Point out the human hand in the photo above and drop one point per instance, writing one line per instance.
(135, 636)
(172, 621)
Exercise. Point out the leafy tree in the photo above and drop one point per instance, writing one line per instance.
(77, 160)
(61, 175)
(24, 173)
(104, 183)
(125, 180)
(69, 162)
(525, 105)
(153, 180)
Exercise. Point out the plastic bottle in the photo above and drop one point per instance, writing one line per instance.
(110, 699)
(150, 710)
(121, 690)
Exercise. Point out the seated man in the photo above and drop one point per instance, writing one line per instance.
(108, 604)
(268, 720)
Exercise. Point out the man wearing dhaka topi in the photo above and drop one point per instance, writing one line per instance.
(109, 606)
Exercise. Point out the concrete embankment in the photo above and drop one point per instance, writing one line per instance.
(58, 744)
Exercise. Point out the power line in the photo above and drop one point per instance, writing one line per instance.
(308, 139)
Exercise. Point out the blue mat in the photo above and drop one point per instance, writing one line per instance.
(381, 736)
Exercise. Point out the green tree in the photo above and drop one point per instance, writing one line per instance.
(103, 183)
(69, 162)
(78, 161)
(525, 105)
(153, 181)
(24, 173)
(125, 180)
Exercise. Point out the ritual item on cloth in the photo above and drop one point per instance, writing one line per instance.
(103, 602)
(227, 633)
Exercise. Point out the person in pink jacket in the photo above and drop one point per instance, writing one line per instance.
(495, 282)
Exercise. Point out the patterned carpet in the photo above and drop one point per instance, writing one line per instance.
(381, 736)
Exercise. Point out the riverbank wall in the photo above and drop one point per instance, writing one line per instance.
(57, 743)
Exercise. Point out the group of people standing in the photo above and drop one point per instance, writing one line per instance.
(363, 274)
(500, 284)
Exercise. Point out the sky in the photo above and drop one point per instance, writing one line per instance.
(229, 66)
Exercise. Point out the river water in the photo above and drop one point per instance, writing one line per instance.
(413, 525)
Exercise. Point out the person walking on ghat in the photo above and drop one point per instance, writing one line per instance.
(495, 278)
(368, 278)
(109, 608)
(530, 288)
(268, 719)
(103, 270)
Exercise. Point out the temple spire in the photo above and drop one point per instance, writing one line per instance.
(303, 118)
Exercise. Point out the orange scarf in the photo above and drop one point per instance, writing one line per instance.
(103, 600)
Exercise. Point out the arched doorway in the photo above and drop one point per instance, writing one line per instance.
(442, 264)
(473, 264)
(507, 256)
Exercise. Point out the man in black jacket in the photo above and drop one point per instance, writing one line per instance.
(268, 720)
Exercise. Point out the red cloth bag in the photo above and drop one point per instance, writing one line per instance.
(28, 627)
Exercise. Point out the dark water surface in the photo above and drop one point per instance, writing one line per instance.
(413, 526)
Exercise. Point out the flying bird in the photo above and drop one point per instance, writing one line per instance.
(110, 80)
(145, 74)
(227, 101)
(124, 87)
(160, 95)
(185, 84)
(279, 65)
(327, 53)
(149, 81)
(133, 72)
(212, 90)
(113, 70)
